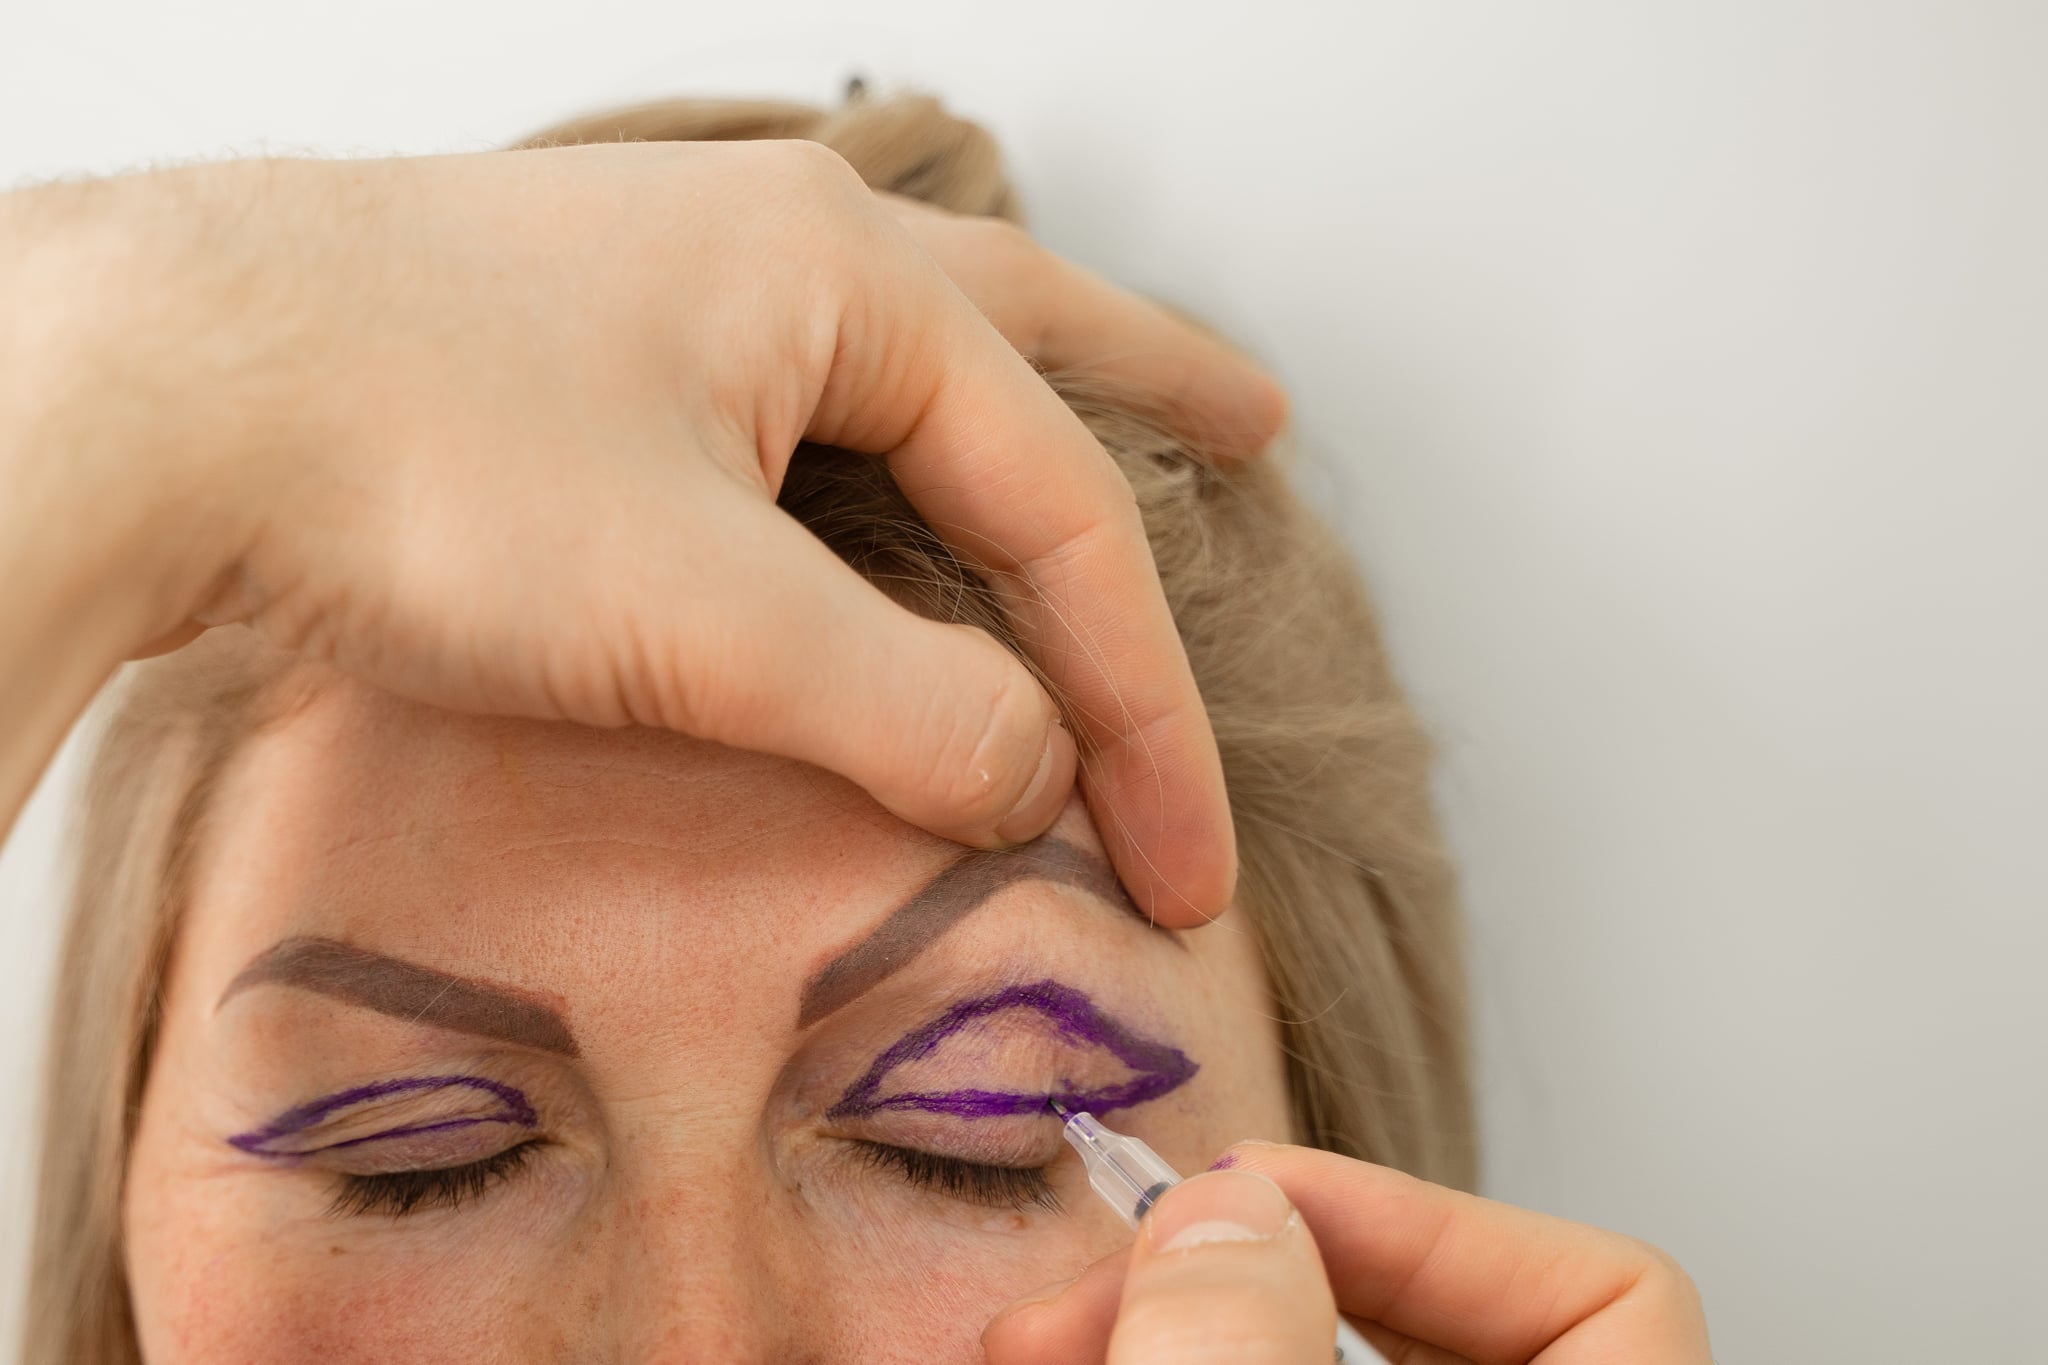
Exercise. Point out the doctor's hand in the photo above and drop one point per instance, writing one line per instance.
(1249, 1266)
(503, 432)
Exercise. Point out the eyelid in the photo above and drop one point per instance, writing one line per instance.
(407, 1107)
(972, 1182)
(1156, 1068)
(397, 1194)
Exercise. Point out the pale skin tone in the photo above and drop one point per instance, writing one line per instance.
(690, 1200)
(405, 419)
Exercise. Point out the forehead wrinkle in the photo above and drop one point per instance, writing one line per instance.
(688, 847)
(385, 836)
(690, 841)
(961, 888)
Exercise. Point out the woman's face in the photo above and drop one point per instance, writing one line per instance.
(492, 1040)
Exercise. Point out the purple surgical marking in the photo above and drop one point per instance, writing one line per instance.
(1159, 1068)
(1224, 1162)
(257, 1141)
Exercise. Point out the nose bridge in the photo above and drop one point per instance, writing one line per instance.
(697, 1272)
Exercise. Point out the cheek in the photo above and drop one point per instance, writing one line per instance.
(203, 1296)
(215, 1276)
(921, 1286)
(1241, 1091)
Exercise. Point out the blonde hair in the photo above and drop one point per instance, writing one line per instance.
(1344, 880)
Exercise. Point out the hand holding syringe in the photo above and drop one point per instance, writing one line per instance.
(1130, 1177)
(1238, 1269)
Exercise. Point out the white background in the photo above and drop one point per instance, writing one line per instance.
(1680, 372)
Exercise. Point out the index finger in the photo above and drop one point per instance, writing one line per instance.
(1066, 318)
(1013, 481)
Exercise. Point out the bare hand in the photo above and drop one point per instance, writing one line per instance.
(1250, 1265)
(504, 431)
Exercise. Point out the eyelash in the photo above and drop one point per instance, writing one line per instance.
(398, 1193)
(1002, 1187)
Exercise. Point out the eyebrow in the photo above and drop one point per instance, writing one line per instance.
(402, 990)
(956, 892)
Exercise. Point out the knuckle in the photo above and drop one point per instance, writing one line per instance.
(1001, 244)
(798, 192)
(1113, 522)
(814, 167)
(1656, 1260)
(810, 200)
(1008, 275)
(1666, 1278)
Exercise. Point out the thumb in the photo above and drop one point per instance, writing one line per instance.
(1224, 1270)
(796, 654)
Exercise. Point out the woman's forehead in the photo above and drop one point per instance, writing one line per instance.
(354, 771)
(527, 846)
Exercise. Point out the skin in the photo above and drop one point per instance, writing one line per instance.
(1154, 1068)
(454, 452)
(671, 903)
(670, 900)
(409, 417)
(1246, 1264)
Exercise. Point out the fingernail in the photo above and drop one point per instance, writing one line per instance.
(1218, 1206)
(1048, 792)
(1036, 1297)
(1237, 1152)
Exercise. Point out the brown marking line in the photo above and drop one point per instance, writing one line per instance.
(958, 891)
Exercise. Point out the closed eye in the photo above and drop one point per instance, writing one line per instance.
(395, 1194)
(999, 1187)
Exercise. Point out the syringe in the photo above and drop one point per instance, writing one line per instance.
(1130, 1177)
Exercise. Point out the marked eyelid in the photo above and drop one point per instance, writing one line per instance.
(1158, 1068)
(273, 1138)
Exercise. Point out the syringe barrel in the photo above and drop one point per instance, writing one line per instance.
(1126, 1173)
